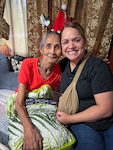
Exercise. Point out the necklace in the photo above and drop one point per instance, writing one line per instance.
(45, 72)
(43, 68)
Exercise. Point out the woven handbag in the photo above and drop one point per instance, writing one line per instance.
(68, 101)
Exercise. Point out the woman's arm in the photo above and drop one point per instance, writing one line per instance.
(20, 106)
(32, 138)
(102, 109)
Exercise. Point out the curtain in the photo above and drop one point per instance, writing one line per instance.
(15, 14)
(4, 27)
(34, 10)
(23, 16)
(96, 16)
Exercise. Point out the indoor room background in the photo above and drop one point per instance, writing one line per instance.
(21, 29)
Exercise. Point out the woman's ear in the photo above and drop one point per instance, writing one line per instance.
(41, 49)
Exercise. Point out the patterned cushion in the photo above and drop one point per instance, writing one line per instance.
(16, 62)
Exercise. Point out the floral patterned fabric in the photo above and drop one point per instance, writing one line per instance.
(95, 16)
(55, 135)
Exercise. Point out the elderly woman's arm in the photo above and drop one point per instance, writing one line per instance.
(32, 138)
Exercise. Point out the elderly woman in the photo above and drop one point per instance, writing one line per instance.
(34, 73)
(92, 125)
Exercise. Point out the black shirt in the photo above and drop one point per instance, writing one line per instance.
(95, 78)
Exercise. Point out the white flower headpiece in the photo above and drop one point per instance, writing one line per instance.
(44, 20)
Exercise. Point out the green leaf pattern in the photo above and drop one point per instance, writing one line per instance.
(55, 135)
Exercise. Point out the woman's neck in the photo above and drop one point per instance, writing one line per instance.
(75, 62)
(45, 65)
(45, 68)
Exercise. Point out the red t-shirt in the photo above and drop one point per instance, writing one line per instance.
(30, 76)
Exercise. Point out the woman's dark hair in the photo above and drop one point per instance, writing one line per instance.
(76, 26)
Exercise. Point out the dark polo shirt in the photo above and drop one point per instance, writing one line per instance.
(95, 78)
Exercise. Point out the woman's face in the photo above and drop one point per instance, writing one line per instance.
(51, 50)
(73, 44)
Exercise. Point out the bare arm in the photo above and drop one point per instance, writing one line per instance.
(102, 109)
(32, 139)
(20, 106)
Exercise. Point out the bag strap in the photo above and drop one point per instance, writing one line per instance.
(74, 81)
(80, 68)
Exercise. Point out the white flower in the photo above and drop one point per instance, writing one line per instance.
(44, 21)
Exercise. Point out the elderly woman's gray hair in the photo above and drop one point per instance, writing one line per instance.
(45, 35)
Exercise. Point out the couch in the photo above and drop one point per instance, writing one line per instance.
(8, 84)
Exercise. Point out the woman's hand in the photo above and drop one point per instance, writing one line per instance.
(32, 139)
(102, 109)
(63, 117)
(106, 60)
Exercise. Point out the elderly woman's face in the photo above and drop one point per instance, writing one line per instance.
(52, 48)
(73, 44)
